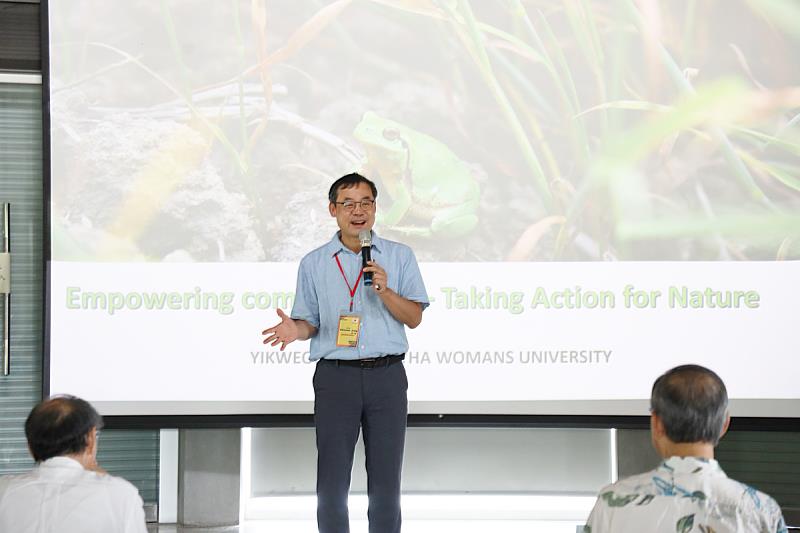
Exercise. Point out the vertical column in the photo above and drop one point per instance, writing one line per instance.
(635, 453)
(209, 477)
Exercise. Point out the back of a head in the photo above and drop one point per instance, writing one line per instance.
(692, 403)
(60, 426)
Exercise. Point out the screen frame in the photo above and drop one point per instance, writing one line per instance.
(217, 421)
(433, 421)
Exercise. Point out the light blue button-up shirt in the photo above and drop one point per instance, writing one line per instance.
(322, 295)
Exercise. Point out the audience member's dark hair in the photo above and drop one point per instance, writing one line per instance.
(60, 426)
(692, 402)
(347, 181)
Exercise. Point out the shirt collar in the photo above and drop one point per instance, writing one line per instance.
(335, 245)
(61, 462)
(691, 465)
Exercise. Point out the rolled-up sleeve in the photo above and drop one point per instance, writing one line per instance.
(411, 286)
(306, 304)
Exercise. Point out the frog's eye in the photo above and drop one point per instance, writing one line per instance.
(391, 134)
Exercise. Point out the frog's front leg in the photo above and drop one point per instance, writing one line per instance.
(455, 221)
(401, 203)
(449, 223)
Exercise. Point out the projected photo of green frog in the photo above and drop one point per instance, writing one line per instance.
(498, 130)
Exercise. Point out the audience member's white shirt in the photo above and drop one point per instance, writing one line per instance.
(60, 496)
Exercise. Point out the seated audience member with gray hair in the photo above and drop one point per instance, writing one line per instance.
(688, 491)
(67, 492)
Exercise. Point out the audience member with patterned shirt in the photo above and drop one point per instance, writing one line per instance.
(688, 492)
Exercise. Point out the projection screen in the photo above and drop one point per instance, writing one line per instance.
(595, 190)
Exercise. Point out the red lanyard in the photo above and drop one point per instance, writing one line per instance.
(352, 289)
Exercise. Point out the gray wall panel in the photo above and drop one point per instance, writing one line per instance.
(21, 185)
(130, 454)
(450, 460)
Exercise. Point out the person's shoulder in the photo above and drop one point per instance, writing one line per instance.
(8, 481)
(394, 247)
(390, 243)
(752, 507)
(755, 503)
(117, 485)
(616, 496)
(738, 492)
(627, 490)
(318, 252)
(315, 253)
(312, 260)
(639, 483)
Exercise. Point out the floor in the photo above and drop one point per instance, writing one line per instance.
(409, 526)
(433, 513)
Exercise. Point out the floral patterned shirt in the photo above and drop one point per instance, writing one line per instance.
(684, 495)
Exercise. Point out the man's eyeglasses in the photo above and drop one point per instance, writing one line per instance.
(349, 205)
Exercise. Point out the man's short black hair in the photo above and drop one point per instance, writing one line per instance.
(692, 402)
(60, 426)
(347, 181)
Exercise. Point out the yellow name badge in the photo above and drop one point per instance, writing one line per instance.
(349, 328)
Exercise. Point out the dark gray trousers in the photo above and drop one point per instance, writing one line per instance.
(373, 399)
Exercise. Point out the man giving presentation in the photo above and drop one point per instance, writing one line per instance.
(355, 296)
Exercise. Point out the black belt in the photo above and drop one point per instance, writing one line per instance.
(370, 362)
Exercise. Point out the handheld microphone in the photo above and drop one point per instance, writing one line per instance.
(365, 236)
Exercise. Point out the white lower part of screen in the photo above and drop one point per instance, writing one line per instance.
(537, 336)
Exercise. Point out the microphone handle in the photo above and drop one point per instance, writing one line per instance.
(366, 255)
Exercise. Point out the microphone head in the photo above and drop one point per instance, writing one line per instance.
(365, 236)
